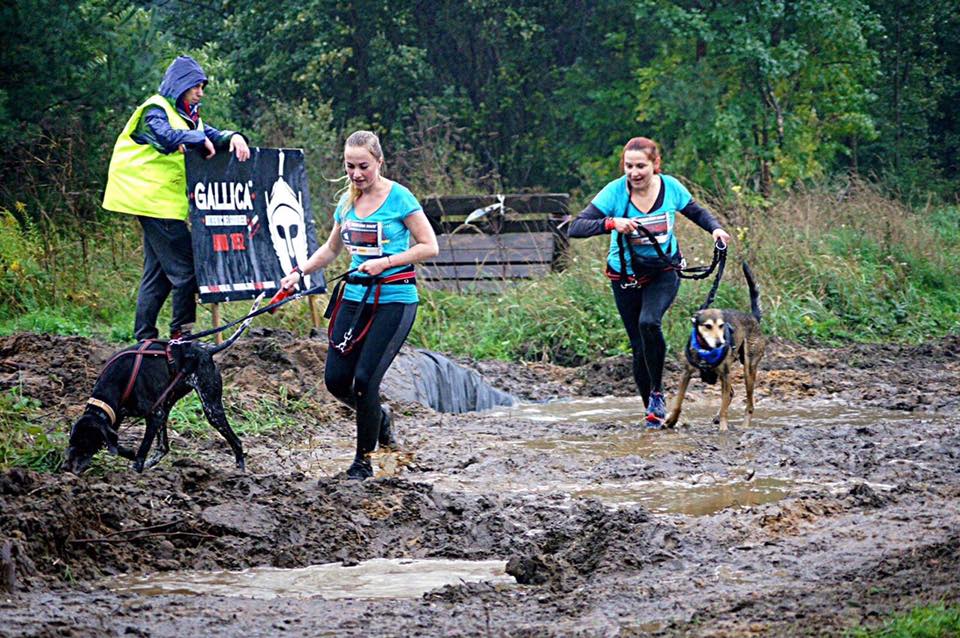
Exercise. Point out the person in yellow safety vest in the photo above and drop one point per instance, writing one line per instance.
(147, 178)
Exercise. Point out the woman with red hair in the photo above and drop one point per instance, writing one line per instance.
(638, 209)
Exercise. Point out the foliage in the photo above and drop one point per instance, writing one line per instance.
(247, 417)
(932, 621)
(775, 89)
(762, 95)
(24, 440)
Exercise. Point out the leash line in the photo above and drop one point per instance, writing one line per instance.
(718, 262)
(269, 308)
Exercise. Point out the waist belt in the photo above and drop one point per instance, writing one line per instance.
(373, 285)
(632, 281)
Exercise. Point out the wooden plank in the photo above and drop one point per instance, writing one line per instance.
(525, 203)
(470, 287)
(482, 271)
(493, 255)
(517, 241)
(496, 226)
(218, 338)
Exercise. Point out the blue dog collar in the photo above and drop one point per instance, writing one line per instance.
(712, 356)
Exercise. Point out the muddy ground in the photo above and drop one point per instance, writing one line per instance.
(864, 517)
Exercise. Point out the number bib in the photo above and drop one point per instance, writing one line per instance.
(658, 225)
(364, 239)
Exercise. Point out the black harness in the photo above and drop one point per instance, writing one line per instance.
(373, 286)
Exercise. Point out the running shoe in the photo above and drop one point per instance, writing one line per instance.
(656, 411)
(360, 468)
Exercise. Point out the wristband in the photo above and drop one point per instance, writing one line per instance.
(608, 224)
(389, 263)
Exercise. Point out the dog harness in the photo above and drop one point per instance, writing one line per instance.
(144, 349)
(373, 285)
(707, 358)
(636, 280)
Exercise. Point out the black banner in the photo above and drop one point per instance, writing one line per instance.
(251, 222)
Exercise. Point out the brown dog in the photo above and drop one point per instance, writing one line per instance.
(718, 339)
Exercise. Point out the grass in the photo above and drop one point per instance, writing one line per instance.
(248, 417)
(24, 439)
(834, 267)
(933, 621)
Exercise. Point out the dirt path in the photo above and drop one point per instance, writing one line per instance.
(841, 503)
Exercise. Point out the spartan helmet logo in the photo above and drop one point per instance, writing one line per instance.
(287, 228)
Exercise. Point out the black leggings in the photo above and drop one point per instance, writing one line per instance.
(355, 378)
(642, 310)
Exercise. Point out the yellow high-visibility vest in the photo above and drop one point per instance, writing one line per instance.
(144, 181)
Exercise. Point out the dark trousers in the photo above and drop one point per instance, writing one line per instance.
(167, 265)
(642, 310)
(355, 378)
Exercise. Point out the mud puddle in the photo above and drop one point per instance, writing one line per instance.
(690, 499)
(599, 448)
(774, 414)
(371, 579)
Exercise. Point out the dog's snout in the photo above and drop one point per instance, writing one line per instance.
(76, 462)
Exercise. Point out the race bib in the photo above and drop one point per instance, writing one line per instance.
(363, 238)
(658, 225)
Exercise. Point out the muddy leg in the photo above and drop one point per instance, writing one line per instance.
(750, 379)
(155, 421)
(674, 415)
(726, 393)
(209, 387)
(163, 445)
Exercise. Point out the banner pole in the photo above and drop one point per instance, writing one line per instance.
(216, 321)
(314, 312)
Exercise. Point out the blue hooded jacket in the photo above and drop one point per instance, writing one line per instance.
(183, 74)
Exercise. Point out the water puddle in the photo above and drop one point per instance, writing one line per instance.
(377, 578)
(697, 412)
(643, 443)
(660, 496)
(683, 497)
(586, 410)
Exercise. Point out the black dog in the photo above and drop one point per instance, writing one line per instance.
(146, 380)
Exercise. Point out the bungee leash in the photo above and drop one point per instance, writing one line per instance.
(280, 298)
(373, 285)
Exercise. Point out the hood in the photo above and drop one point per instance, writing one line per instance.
(182, 74)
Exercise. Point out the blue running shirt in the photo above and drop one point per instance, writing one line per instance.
(377, 235)
(614, 201)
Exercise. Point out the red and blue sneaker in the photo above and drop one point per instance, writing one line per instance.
(656, 411)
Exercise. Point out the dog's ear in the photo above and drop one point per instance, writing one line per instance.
(109, 436)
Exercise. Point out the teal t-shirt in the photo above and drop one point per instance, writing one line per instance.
(614, 201)
(380, 234)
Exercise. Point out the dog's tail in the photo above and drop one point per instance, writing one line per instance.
(755, 309)
(239, 331)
